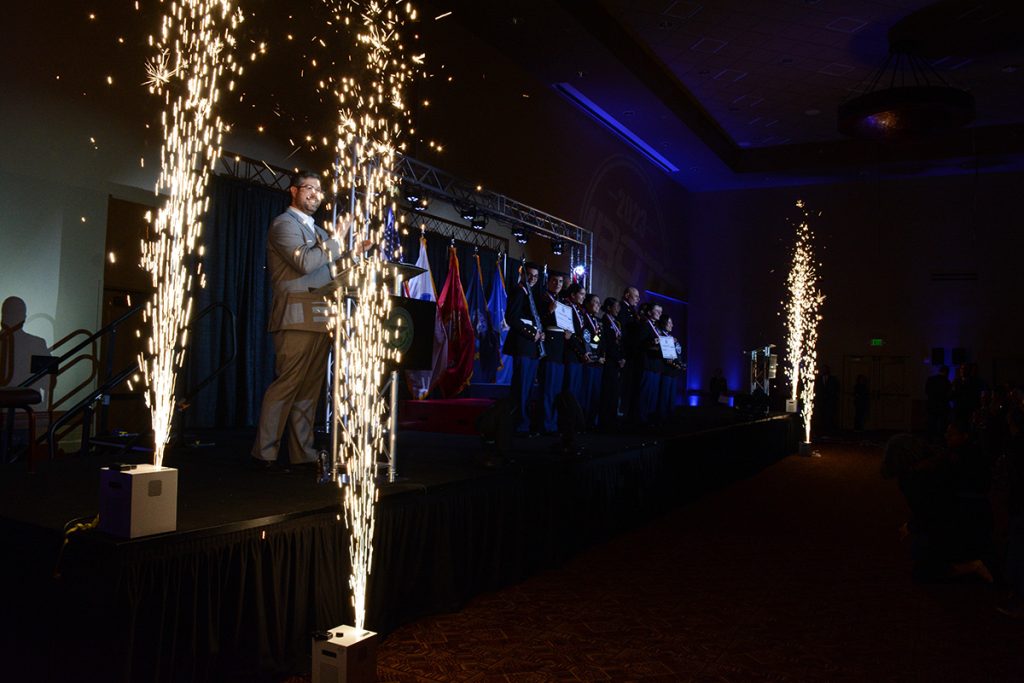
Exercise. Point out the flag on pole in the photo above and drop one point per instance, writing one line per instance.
(392, 243)
(421, 287)
(453, 309)
(496, 305)
(485, 357)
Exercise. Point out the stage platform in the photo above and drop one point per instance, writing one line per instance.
(259, 560)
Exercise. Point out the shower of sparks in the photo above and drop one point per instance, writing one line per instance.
(802, 317)
(371, 113)
(195, 32)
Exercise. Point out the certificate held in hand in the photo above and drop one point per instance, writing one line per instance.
(563, 317)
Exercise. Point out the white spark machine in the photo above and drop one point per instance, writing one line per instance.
(138, 500)
(345, 655)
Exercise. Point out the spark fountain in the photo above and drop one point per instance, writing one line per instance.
(193, 53)
(371, 114)
(802, 318)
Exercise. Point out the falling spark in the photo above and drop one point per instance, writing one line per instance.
(196, 33)
(802, 318)
(371, 110)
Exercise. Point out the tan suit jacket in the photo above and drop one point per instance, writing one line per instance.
(298, 259)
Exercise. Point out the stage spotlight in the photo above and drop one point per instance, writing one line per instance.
(468, 213)
(420, 204)
(479, 222)
(557, 247)
(413, 195)
(520, 235)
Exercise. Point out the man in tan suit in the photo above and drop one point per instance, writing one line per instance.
(299, 255)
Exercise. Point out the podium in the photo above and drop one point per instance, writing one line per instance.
(411, 323)
(392, 270)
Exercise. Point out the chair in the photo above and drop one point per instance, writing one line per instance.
(20, 398)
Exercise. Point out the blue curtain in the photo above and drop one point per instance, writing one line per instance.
(235, 239)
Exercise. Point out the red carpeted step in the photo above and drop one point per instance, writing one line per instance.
(452, 416)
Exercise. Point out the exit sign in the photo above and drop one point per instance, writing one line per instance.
(878, 342)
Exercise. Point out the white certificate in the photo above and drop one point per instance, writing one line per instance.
(668, 348)
(563, 317)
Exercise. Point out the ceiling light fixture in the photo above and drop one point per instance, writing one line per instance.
(905, 97)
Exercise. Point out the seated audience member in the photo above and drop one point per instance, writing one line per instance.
(1014, 566)
(939, 546)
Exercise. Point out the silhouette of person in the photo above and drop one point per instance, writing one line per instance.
(717, 385)
(18, 346)
(861, 402)
(937, 391)
(826, 398)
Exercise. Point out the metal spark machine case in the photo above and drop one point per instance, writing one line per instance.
(138, 500)
(345, 655)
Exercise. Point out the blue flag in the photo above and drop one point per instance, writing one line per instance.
(496, 305)
(485, 355)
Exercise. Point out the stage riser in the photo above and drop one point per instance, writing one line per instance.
(242, 606)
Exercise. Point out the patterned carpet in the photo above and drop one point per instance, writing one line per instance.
(796, 574)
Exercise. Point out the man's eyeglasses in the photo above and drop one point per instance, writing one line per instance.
(312, 189)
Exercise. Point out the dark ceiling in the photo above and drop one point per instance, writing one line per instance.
(745, 92)
(734, 93)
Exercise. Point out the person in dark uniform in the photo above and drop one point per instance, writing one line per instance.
(610, 348)
(628, 317)
(577, 351)
(524, 342)
(648, 360)
(594, 369)
(671, 368)
(552, 366)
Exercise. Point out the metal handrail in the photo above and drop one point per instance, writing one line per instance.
(184, 403)
(88, 340)
(84, 404)
(123, 376)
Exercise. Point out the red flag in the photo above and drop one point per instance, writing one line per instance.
(453, 310)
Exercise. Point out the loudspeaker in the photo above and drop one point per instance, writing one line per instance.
(959, 355)
(938, 356)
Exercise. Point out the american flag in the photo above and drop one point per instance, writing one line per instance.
(392, 246)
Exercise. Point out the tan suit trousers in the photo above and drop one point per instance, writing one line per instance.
(300, 363)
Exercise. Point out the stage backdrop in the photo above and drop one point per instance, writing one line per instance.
(235, 237)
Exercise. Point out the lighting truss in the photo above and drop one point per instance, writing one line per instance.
(503, 209)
